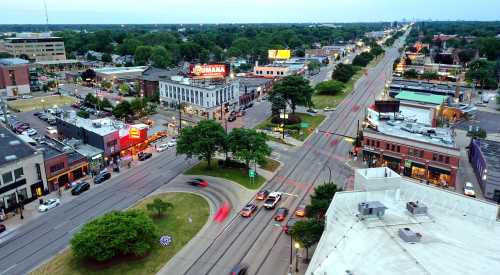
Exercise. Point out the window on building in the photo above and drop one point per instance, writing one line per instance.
(38, 171)
(398, 149)
(18, 173)
(447, 160)
(441, 158)
(434, 157)
(393, 147)
(378, 144)
(56, 167)
(7, 177)
(422, 153)
(410, 152)
(22, 194)
(387, 146)
(367, 142)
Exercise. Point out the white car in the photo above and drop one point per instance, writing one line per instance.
(30, 132)
(26, 97)
(49, 204)
(469, 190)
(171, 143)
(162, 147)
(329, 109)
(272, 200)
(51, 130)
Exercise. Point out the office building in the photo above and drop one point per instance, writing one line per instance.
(278, 69)
(36, 47)
(395, 226)
(150, 80)
(484, 156)
(14, 77)
(22, 172)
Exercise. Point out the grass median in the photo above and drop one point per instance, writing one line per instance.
(175, 224)
(238, 175)
(38, 103)
(312, 120)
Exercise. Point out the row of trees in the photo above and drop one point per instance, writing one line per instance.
(208, 43)
(138, 107)
(390, 41)
(344, 72)
(427, 75)
(208, 138)
(308, 232)
(486, 74)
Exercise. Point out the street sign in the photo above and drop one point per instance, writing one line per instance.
(304, 125)
(251, 173)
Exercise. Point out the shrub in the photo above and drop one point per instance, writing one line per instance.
(115, 234)
(292, 119)
(330, 87)
(83, 114)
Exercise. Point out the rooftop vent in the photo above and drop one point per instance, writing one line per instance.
(416, 207)
(408, 235)
(10, 157)
(374, 208)
(14, 142)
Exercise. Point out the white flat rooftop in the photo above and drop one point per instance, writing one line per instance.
(413, 131)
(121, 70)
(460, 235)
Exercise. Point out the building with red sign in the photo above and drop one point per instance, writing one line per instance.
(203, 92)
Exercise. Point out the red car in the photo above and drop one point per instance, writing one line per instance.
(248, 210)
(281, 214)
(2, 228)
(289, 225)
(198, 182)
(262, 195)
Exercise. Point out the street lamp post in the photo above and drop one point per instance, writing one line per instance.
(330, 176)
(180, 113)
(297, 246)
(20, 204)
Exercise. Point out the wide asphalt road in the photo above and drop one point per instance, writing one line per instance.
(260, 241)
(42, 238)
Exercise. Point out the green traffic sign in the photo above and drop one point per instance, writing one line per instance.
(251, 173)
(304, 125)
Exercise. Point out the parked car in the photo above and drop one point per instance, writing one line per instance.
(48, 204)
(30, 132)
(239, 269)
(198, 182)
(144, 156)
(51, 130)
(262, 195)
(281, 214)
(231, 118)
(469, 189)
(80, 188)
(289, 224)
(300, 211)
(2, 228)
(312, 111)
(162, 147)
(102, 177)
(172, 143)
(329, 109)
(37, 114)
(248, 210)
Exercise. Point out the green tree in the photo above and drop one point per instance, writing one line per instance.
(124, 89)
(411, 73)
(248, 144)
(122, 110)
(330, 87)
(90, 100)
(83, 114)
(430, 75)
(343, 72)
(483, 73)
(114, 234)
(307, 233)
(160, 57)
(202, 140)
(129, 46)
(105, 103)
(314, 66)
(142, 55)
(159, 206)
(362, 59)
(137, 106)
(320, 200)
(106, 58)
(295, 89)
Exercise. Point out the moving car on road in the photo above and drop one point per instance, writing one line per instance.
(144, 156)
(162, 147)
(272, 200)
(239, 269)
(49, 204)
(281, 214)
(198, 182)
(248, 210)
(300, 211)
(80, 188)
(289, 225)
(102, 177)
(469, 190)
(172, 143)
(262, 195)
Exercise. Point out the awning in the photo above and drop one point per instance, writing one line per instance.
(442, 170)
(391, 158)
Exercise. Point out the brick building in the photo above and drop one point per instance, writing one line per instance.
(14, 77)
(151, 77)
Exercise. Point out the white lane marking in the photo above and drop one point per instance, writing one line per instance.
(293, 195)
(11, 267)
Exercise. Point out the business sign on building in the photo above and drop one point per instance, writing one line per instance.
(279, 54)
(209, 70)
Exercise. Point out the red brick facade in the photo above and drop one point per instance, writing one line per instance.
(14, 75)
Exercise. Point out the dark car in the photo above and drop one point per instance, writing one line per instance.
(102, 177)
(262, 195)
(80, 188)
(239, 269)
(198, 182)
(289, 225)
(248, 210)
(281, 214)
(144, 156)
(37, 114)
(231, 118)
(2, 228)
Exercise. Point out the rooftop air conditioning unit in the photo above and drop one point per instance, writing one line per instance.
(409, 236)
(96, 124)
(416, 207)
(374, 208)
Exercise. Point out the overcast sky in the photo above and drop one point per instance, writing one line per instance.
(242, 11)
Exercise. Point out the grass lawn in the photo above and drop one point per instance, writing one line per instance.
(174, 224)
(322, 101)
(24, 105)
(238, 175)
(312, 120)
(278, 140)
(271, 165)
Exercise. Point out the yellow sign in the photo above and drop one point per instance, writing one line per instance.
(279, 54)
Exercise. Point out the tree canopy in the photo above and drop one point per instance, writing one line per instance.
(330, 87)
(344, 72)
(307, 232)
(295, 90)
(115, 234)
(247, 145)
(320, 200)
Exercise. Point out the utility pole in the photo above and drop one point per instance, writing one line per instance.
(180, 113)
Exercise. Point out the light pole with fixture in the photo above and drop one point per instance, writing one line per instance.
(297, 247)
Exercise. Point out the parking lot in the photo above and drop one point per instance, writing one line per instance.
(485, 120)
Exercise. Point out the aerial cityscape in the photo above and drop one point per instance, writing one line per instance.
(262, 137)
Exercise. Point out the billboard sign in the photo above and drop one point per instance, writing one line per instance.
(279, 54)
(209, 70)
(387, 106)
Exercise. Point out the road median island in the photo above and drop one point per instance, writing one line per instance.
(189, 214)
(298, 131)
